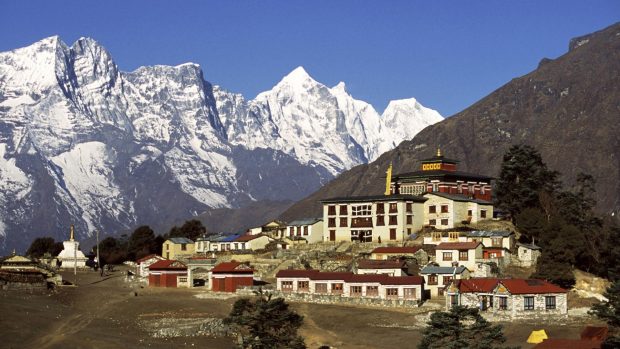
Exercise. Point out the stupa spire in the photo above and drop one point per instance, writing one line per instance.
(71, 237)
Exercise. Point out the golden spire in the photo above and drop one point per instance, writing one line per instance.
(388, 180)
(438, 151)
(71, 237)
(14, 252)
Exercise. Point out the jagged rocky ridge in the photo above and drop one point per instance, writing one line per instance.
(82, 142)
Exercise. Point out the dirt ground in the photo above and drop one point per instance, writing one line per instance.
(101, 313)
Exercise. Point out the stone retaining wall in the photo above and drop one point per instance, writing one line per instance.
(339, 300)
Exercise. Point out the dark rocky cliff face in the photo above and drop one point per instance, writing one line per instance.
(568, 108)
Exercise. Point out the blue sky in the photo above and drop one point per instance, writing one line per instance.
(447, 54)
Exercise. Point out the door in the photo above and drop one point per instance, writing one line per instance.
(392, 234)
(332, 235)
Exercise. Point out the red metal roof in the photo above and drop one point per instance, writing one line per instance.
(476, 285)
(380, 264)
(167, 264)
(595, 333)
(248, 237)
(457, 245)
(397, 249)
(149, 257)
(350, 277)
(295, 273)
(232, 267)
(560, 343)
(525, 286)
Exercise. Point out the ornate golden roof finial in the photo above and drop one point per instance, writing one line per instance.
(71, 237)
(388, 180)
(438, 151)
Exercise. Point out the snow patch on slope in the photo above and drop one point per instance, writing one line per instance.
(89, 178)
(14, 184)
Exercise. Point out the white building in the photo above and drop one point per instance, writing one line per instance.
(392, 267)
(145, 262)
(436, 278)
(71, 256)
(310, 229)
(449, 254)
(380, 218)
(350, 285)
(528, 254)
(445, 211)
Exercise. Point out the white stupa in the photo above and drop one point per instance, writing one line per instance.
(71, 256)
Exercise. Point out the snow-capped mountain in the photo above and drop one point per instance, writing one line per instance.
(82, 142)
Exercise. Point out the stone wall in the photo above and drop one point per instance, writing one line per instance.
(340, 300)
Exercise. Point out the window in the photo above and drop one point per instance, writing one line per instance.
(236, 246)
(453, 235)
(380, 208)
(432, 209)
(469, 213)
(550, 302)
(183, 247)
(432, 279)
(291, 231)
(243, 245)
(446, 280)
(496, 242)
(303, 286)
(320, 287)
(356, 290)
(447, 256)
(409, 207)
(331, 210)
(393, 220)
(391, 292)
(343, 210)
(408, 231)
(444, 208)
(393, 207)
(287, 286)
(298, 231)
(463, 255)
(331, 222)
(167, 247)
(528, 303)
(183, 280)
(361, 210)
(454, 300)
(409, 219)
(432, 222)
(372, 291)
(306, 230)
(483, 213)
(409, 293)
(343, 221)
(337, 288)
(444, 221)
(381, 220)
(392, 234)
(503, 303)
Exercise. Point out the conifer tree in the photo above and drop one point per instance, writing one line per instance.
(609, 311)
(266, 323)
(461, 328)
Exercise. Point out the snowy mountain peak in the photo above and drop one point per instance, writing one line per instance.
(340, 87)
(298, 76)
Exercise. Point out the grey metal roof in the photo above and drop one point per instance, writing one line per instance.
(459, 197)
(432, 269)
(181, 240)
(305, 221)
(488, 233)
(394, 197)
(530, 246)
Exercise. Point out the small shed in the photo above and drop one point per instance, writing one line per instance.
(528, 254)
(228, 276)
(165, 273)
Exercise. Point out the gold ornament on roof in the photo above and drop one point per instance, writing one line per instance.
(388, 180)
(438, 151)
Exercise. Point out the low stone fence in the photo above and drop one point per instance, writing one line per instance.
(340, 300)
